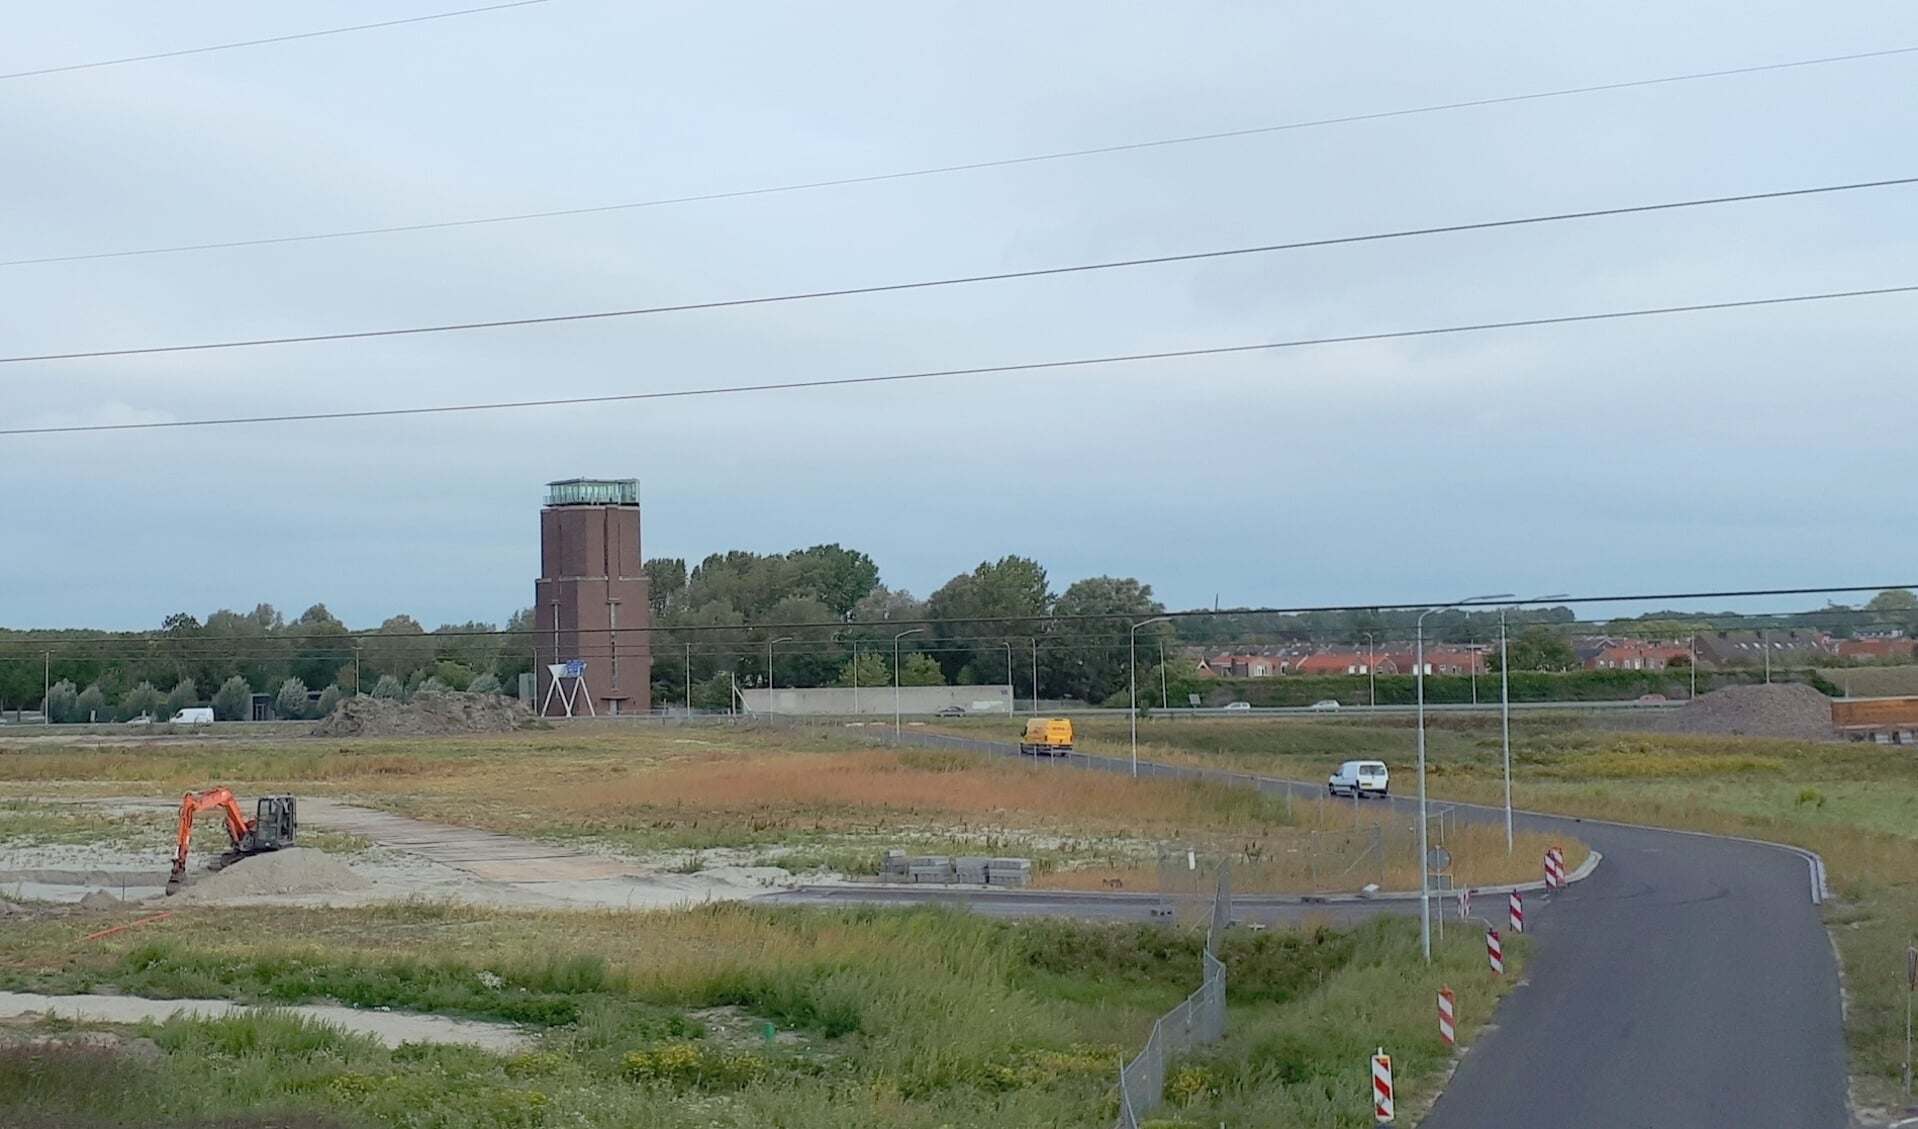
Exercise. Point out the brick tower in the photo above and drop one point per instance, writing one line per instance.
(592, 600)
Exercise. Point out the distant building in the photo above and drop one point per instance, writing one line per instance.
(1635, 656)
(591, 602)
(1751, 648)
(1878, 649)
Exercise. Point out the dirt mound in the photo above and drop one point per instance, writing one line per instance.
(99, 899)
(1785, 709)
(430, 713)
(295, 870)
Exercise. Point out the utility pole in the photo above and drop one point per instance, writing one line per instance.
(1035, 674)
(689, 679)
(46, 697)
(1011, 694)
(895, 679)
(1165, 699)
(1371, 671)
(855, 676)
(1764, 641)
(1693, 648)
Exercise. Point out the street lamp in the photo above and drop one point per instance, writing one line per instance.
(769, 668)
(1505, 708)
(1011, 694)
(1133, 696)
(1425, 867)
(1035, 674)
(1372, 671)
(895, 678)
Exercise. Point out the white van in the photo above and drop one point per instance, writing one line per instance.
(1360, 778)
(193, 715)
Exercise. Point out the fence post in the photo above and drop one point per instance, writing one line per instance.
(1382, 1087)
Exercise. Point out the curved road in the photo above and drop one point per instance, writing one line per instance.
(1689, 983)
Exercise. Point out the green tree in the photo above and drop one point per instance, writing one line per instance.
(329, 700)
(183, 694)
(62, 704)
(1894, 600)
(969, 614)
(390, 688)
(399, 648)
(1099, 613)
(141, 701)
(483, 684)
(1538, 647)
(455, 676)
(234, 700)
(91, 705)
(920, 670)
(666, 582)
(872, 672)
(715, 694)
(320, 646)
(515, 649)
(835, 576)
(289, 702)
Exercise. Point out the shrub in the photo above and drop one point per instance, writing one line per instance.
(91, 705)
(290, 702)
(62, 702)
(142, 700)
(234, 700)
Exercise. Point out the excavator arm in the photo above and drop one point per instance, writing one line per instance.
(238, 829)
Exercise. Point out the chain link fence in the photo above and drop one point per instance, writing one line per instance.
(1200, 1018)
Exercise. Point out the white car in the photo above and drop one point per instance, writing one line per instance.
(1238, 705)
(1360, 778)
(1324, 705)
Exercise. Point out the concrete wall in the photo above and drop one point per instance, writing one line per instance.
(915, 700)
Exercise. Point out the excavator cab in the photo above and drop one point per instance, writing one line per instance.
(275, 824)
(276, 820)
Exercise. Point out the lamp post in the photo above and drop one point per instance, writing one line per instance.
(895, 678)
(769, 668)
(1691, 661)
(1425, 869)
(1371, 670)
(1505, 708)
(855, 676)
(1165, 693)
(1035, 674)
(1011, 695)
(689, 680)
(1132, 697)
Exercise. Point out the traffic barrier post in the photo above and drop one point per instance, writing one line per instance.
(1465, 904)
(1495, 952)
(1517, 913)
(1447, 1012)
(1382, 1087)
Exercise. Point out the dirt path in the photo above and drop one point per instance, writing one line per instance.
(390, 1028)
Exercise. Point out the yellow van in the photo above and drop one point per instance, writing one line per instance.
(1047, 736)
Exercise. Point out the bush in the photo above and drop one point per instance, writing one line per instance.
(290, 702)
(234, 700)
(141, 701)
(484, 684)
(183, 694)
(329, 699)
(91, 704)
(389, 687)
(62, 702)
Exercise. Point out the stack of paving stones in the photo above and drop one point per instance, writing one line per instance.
(1009, 872)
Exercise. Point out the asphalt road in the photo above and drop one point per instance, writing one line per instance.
(1687, 984)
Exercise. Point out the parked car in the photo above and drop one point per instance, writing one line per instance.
(143, 719)
(1360, 778)
(193, 715)
(1238, 705)
(1324, 705)
(1047, 736)
(1652, 699)
(951, 711)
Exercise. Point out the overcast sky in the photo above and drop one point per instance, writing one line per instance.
(1721, 450)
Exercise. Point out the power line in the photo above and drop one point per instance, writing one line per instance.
(937, 374)
(940, 170)
(962, 280)
(1194, 613)
(262, 42)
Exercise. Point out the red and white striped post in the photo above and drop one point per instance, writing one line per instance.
(1558, 866)
(1517, 913)
(1551, 872)
(1382, 1087)
(1495, 952)
(1448, 1022)
(1465, 903)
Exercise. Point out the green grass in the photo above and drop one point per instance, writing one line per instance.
(904, 1018)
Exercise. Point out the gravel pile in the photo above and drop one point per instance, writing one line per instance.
(1784, 709)
(99, 899)
(430, 713)
(295, 870)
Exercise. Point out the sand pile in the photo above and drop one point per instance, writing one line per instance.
(1784, 709)
(99, 899)
(295, 870)
(430, 713)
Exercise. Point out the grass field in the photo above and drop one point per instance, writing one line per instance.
(803, 800)
(1855, 804)
(883, 1017)
(886, 1018)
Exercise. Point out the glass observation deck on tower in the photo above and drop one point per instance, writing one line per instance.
(593, 492)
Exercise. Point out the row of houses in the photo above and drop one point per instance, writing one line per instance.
(1594, 652)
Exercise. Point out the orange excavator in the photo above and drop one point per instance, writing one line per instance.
(274, 824)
